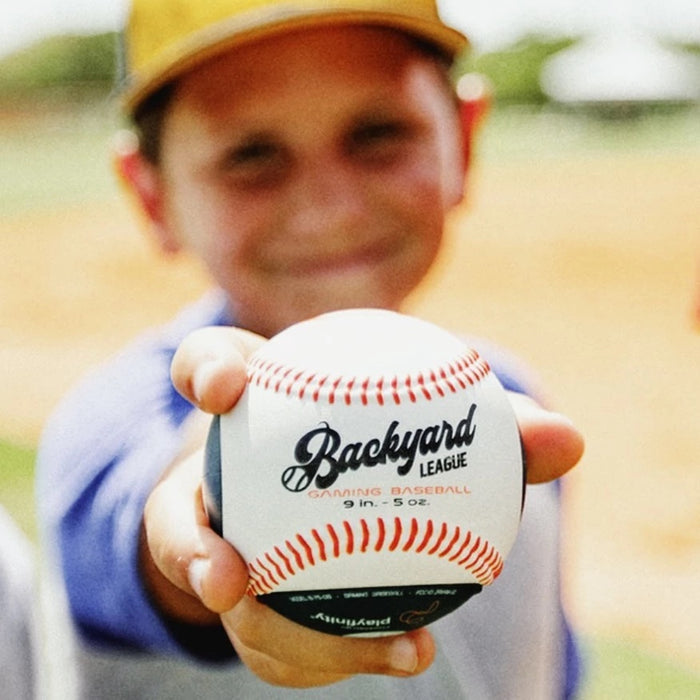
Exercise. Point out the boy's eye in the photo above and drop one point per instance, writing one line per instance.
(255, 162)
(256, 151)
(378, 140)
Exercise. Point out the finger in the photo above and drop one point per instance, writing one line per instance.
(209, 367)
(194, 567)
(551, 443)
(275, 672)
(256, 628)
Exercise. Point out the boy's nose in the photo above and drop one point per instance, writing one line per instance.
(328, 199)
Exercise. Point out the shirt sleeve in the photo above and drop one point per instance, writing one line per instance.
(100, 456)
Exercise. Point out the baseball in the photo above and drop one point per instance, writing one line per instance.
(371, 475)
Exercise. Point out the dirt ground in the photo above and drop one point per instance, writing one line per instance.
(589, 277)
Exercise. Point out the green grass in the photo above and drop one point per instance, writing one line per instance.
(55, 155)
(59, 61)
(523, 132)
(17, 485)
(626, 672)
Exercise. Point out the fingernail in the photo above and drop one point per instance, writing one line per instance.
(198, 569)
(403, 656)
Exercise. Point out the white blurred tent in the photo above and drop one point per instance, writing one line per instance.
(621, 68)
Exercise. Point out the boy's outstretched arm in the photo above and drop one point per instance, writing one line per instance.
(196, 577)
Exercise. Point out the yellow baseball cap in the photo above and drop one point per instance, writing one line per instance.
(166, 38)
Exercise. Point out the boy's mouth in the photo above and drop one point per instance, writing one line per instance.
(341, 262)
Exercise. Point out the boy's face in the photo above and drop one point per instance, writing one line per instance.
(311, 172)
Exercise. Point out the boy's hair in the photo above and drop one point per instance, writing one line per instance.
(148, 119)
(164, 39)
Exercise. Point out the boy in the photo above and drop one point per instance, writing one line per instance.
(308, 154)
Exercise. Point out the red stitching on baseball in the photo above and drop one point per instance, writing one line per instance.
(295, 554)
(453, 388)
(411, 535)
(440, 539)
(454, 539)
(320, 543)
(464, 561)
(285, 559)
(290, 386)
(380, 395)
(350, 537)
(478, 563)
(495, 560)
(334, 539)
(263, 576)
(458, 553)
(472, 553)
(276, 566)
(253, 584)
(420, 380)
(305, 384)
(307, 549)
(397, 534)
(409, 389)
(270, 576)
(363, 396)
(395, 391)
(365, 535)
(382, 533)
(348, 391)
(281, 379)
(491, 561)
(317, 392)
(428, 535)
(334, 388)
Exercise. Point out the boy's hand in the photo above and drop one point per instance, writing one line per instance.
(197, 577)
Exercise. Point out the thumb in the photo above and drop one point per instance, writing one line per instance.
(551, 443)
(209, 367)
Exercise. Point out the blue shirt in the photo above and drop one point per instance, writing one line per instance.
(101, 455)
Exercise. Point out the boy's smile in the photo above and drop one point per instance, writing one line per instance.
(312, 172)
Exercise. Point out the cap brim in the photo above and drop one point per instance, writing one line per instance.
(208, 43)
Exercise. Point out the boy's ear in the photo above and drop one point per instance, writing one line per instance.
(475, 96)
(142, 180)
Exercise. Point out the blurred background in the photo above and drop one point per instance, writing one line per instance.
(578, 247)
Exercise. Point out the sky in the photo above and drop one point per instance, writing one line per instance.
(489, 23)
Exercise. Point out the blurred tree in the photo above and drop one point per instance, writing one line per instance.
(515, 70)
(71, 60)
